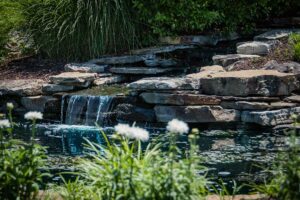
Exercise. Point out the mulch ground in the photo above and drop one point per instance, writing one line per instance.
(30, 68)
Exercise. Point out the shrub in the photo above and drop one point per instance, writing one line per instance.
(121, 170)
(20, 163)
(81, 29)
(11, 18)
(294, 40)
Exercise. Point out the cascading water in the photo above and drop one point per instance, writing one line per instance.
(86, 110)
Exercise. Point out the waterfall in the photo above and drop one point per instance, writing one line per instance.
(86, 110)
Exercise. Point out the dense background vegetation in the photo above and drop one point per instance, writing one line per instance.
(82, 29)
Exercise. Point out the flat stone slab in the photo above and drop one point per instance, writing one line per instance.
(295, 99)
(258, 99)
(21, 87)
(54, 88)
(165, 83)
(226, 60)
(73, 79)
(250, 83)
(246, 105)
(109, 80)
(162, 49)
(155, 62)
(276, 34)
(207, 71)
(179, 99)
(255, 48)
(270, 118)
(37, 103)
(85, 68)
(196, 114)
(119, 60)
(140, 70)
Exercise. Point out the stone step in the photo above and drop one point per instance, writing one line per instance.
(226, 60)
(256, 47)
(85, 68)
(73, 79)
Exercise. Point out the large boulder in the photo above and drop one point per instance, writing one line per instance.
(196, 114)
(226, 60)
(250, 83)
(270, 118)
(86, 68)
(276, 34)
(165, 83)
(255, 48)
(74, 79)
(179, 99)
(21, 87)
(39, 103)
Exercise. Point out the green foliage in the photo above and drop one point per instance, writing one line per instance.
(20, 165)
(121, 170)
(193, 16)
(285, 174)
(295, 42)
(11, 18)
(81, 29)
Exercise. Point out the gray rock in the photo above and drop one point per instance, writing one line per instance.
(120, 60)
(54, 88)
(86, 68)
(270, 118)
(179, 99)
(202, 40)
(21, 87)
(207, 71)
(280, 105)
(225, 60)
(257, 99)
(250, 83)
(163, 49)
(255, 48)
(73, 79)
(128, 112)
(287, 67)
(245, 105)
(140, 70)
(37, 103)
(165, 83)
(295, 99)
(109, 80)
(196, 114)
(276, 34)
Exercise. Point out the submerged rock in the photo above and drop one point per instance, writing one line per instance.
(270, 118)
(165, 83)
(250, 83)
(73, 79)
(196, 114)
(21, 87)
(179, 99)
(226, 60)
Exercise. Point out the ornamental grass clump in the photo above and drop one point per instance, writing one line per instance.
(122, 169)
(20, 162)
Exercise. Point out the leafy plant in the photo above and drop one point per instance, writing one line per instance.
(81, 29)
(285, 181)
(122, 170)
(20, 163)
(294, 40)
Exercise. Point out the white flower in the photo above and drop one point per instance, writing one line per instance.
(10, 105)
(140, 134)
(132, 132)
(33, 115)
(177, 126)
(4, 123)
(123, 129)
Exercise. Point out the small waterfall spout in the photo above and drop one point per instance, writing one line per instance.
(87, 110)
